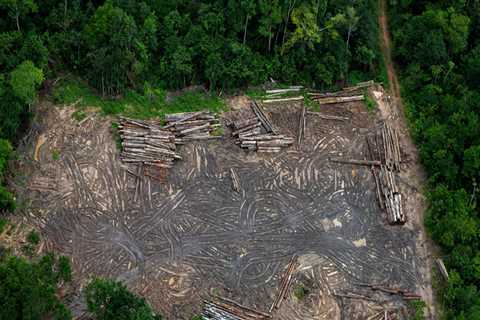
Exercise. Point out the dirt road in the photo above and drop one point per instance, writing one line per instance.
(415, 174)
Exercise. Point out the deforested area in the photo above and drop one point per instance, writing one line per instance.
(238, 160)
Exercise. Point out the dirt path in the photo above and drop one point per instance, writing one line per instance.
(387, 53)
(415, 174)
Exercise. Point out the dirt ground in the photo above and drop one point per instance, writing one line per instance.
(179, 242)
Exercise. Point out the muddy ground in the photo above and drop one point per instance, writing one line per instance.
(179, 242)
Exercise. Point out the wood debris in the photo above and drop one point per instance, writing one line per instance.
(301, 126)
(235, 180)
(226, 309)
(285, 283)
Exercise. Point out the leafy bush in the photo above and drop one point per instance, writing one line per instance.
(111, 300)
(27, 289)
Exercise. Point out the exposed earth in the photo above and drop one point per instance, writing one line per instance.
(177, 243)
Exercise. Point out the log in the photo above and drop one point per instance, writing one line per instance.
(184, 132)
(442, 268)
(339, 99)
(247, 128)
(262, 117)
(235, 180)
(357, 162)
(327, 117)
(360, 85)
(294, 89)
(299, 98)
(243, 123)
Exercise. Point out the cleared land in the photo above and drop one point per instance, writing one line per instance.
(179, 242)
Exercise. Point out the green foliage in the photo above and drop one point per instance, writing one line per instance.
(24, 81)
(369, 102)
(55, 155)
(27, 289)
(417, 309)
(437, 51)
(197, 317)
(111, 300)
(300, 292)
(33, 237)
(148, 105)
(3, 224)
(79, 115)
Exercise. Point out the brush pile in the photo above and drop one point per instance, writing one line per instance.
(192, 126)
(145, 142)
(258, 134)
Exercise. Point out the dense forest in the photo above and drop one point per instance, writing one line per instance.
(437, 49)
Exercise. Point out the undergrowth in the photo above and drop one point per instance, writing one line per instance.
(151, 103)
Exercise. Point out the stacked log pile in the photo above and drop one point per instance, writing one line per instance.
(225, 309)
(191, 126)
(276, 95)
(347, 94)
(145, 142)
(285, 283)
(391, 198)
(384, 150)
(258, 133)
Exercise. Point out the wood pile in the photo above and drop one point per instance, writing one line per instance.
(258, 134)
(226, 309)
(276, 95)
(391, 148)
(192, 126)
(390, 197)
(145, 142)
(285, 283)
(347, 94)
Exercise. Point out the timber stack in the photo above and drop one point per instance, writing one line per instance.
(145, 142)
(190, 126)
(384, 150)
(347, 94)
(258, 133)
(390, 197)
(277, 95)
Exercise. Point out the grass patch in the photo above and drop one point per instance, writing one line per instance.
(116, 136)
(33, 237)
(300, 292)
(149, 104)
(3, 224)
(55, 155)
(416, 310)
(79, 115)
(369, 102)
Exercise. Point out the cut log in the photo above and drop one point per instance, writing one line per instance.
(299, 98)
(332, 100)
(327, 117)
(357, 162)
